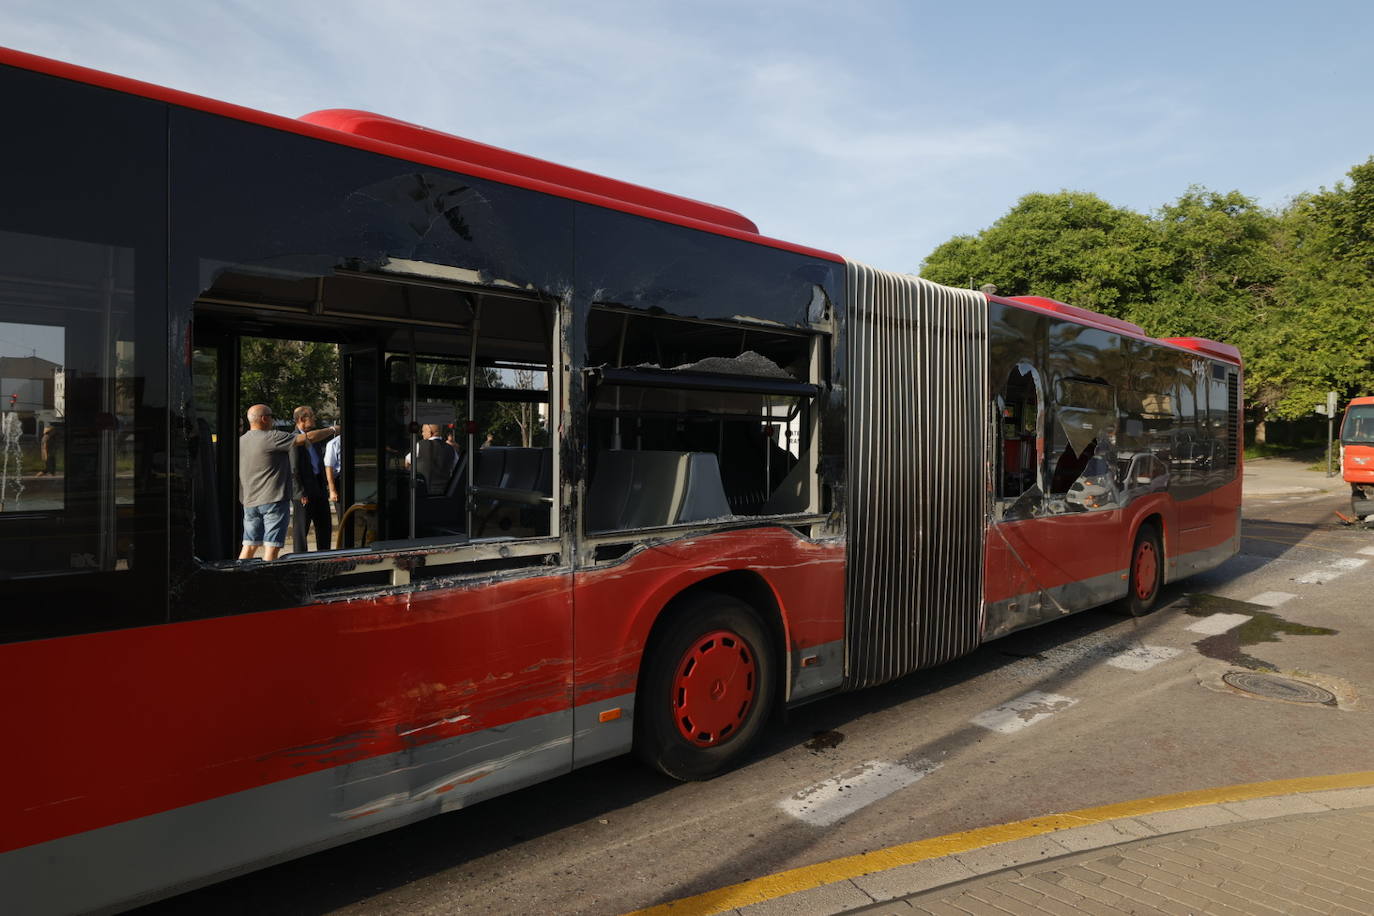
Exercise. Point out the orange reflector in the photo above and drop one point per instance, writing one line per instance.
(609, 715)
(810, 661)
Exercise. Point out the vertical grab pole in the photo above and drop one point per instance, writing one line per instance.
(471, 425)
(619, 363)
(414, 436)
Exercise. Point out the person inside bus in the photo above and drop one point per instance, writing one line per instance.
(312, 492)
(333, 472)
(265, 481)
(434, 459)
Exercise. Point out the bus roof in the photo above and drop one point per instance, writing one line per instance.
(1211, 348)
(399, 139)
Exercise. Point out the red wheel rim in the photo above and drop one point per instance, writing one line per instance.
(1146, 569)
(713, 688)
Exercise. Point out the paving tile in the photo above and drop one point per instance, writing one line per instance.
(1137, 895)
(1050, 889)
(1018, 890)
(1175, 893)
(1181, 872)
(1255, 898)
(890, 908)
(1336, 896)
(1189, 819)
(1108, 833)
(1091, 891)
(1345, 798)
(973, 905)
(992, 895)
(914, 878)
(1111, 870)
(1077, 872)
(1258, 808)
(1299, 903)
(1006, 855)
(818, 901)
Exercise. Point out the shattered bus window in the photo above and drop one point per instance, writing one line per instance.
(715, 419)
(443, 394)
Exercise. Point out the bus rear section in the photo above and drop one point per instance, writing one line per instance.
(1014, 460)
(1114, 464)
(1357, 455)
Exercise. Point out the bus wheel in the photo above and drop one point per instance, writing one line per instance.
(706, 688)
(1147, 571)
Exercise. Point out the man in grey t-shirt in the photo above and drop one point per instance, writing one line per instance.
(265, 481)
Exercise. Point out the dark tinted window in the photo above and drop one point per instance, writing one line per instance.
(83, 357)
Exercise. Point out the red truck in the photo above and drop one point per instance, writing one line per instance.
(1357, 455)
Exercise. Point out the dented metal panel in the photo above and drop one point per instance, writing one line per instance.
(917, 443)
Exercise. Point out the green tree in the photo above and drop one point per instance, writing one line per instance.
(1072, 246)
(1316, 332)
(1213, 261)
(1292, 289)
(285, 374)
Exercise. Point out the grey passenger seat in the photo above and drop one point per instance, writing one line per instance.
(525, 474)
(650, 489)
(791, 495)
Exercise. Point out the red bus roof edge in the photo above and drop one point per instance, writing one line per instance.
(1088, 316)
(1213, 348)
(714, 223)
(461, 149)
(1209, 347)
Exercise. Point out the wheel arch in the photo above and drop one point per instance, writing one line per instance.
(1155, 518)
(746, 586)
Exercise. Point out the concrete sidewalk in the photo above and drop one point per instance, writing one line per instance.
(1301, 846)
(1252, 857)
(1287, 476)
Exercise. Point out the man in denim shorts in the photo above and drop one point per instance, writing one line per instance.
(265, 481)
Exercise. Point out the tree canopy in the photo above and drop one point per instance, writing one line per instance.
(1291, 287)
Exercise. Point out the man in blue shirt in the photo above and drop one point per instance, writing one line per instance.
(312, 492)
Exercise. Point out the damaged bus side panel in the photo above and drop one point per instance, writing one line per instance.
(615, 473)
(572, 436)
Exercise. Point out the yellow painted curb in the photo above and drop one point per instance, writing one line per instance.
(781, 884)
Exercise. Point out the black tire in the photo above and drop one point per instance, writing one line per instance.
(1146, 565)
(705, 689)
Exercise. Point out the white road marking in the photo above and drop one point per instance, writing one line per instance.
(1014, 715)
(1331, 570)
(1317, 576)
(840, 796)
(1367, 551)
(1272, 599)
(1216, 624)
(1142, 657)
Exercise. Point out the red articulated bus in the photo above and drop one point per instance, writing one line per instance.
(692, 475)
(1357, 455)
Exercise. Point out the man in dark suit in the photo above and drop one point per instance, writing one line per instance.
(312, 492)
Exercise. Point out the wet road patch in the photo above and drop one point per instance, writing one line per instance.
(1230, 644)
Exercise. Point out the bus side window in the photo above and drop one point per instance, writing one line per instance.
(72, 455)
(693, 422)
(1019, 429)
(446, 419)
(1082, 457)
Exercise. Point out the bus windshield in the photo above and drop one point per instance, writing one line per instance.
(1358, 428)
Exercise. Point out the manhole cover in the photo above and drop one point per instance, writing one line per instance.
(1278, 688)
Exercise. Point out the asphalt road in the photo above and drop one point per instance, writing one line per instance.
(1118, 708)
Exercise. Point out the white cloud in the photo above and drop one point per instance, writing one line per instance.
(877, 130)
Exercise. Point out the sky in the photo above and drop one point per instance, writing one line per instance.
(877, 130)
